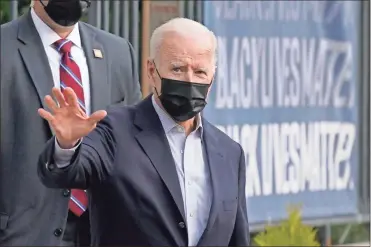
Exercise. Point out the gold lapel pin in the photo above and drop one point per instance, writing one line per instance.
(97, 53)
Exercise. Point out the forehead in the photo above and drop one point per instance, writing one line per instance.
(183, 49)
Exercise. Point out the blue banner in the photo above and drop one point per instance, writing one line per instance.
(286, 90)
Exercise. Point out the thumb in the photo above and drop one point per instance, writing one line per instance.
(97, 116)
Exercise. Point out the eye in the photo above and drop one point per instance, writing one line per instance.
(176, 69)
(201, 72)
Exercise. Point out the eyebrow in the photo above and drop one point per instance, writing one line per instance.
(203, 69)
(177, 64)
(180, 64)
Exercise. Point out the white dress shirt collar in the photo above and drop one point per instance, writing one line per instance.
(48, 36)
(168, 123)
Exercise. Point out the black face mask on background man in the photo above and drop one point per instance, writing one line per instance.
(66, 12)
(182, 100)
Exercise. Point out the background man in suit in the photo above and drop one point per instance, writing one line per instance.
(158, 174)
(44, 48)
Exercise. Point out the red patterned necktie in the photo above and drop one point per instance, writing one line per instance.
(70, 77)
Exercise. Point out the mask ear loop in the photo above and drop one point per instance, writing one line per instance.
(158, 95)
(42, 3)
(85, 5)
(212, 80)
(211, 83)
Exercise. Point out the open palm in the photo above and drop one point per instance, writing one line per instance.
(67, 119)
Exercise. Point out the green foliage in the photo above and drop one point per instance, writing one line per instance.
(4, 11)
(358, 233)
(5, 15)
(291, 232)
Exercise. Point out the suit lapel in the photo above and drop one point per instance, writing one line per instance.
(152, 139)
(217, 166)
(34, 57)
(98, 74)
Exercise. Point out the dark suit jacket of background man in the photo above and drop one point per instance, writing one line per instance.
(136, 198)
(30, 213)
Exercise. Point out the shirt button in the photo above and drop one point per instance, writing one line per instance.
(191, 214)
(181, 151)
(66, 193)
(189, 183)
(58, 232)
(50, 167)
(180, 129)
(181, 224)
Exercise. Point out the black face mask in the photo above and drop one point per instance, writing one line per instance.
(182, 100)
(66, 12)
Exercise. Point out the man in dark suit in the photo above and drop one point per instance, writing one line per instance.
(46, 48)
(158, 173)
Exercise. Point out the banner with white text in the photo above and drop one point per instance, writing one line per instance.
(286, 90)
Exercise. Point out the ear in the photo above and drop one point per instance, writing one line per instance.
(150, 69)
(208, 91)
(211, 84)
(212, 78)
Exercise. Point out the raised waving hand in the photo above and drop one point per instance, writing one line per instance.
(67, 119)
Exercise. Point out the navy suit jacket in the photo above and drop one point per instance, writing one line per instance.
(135, 197)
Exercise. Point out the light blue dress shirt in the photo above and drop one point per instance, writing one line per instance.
(193, 172)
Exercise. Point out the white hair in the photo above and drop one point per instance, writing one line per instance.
(183, 26)
(32, 3)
